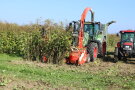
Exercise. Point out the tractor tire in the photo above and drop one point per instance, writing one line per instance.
(125, 60)
(115, 59)
(93, 51)
(117, 55)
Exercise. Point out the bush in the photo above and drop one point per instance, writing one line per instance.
(112, 40)
(30, 42)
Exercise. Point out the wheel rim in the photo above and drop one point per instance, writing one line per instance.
(95, 52)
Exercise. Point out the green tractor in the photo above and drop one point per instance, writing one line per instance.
(94, 37)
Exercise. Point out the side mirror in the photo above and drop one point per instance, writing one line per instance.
(70, 24)
(117, 34)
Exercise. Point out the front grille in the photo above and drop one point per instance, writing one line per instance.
(125, 47)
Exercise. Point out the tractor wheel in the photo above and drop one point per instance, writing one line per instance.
(77, 63)
(93, 51)
(125, 60)
(117, 55)
(115, 59)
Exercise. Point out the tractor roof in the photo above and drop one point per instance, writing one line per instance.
(127, 31)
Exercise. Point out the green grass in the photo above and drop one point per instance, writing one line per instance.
(60, 77)
(8, 57)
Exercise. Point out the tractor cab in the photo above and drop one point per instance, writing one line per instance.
(91, 31)
(127, 36)
(92, 28)
(127, 39)
(95, 32)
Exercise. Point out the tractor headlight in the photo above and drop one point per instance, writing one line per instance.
(127, 48)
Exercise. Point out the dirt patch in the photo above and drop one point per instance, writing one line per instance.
(18, 84)
(126, 69)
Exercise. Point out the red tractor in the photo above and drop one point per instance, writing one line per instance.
(126, 47)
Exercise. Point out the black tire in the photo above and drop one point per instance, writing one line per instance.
(34, 58)
(77, 64)
(125, 60)
(117, 55)
(115, 59)
(93, 51)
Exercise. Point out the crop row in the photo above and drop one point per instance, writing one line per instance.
(34, 41)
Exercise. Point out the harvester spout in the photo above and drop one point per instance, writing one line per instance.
(81, 32)
(111, 22)
(85, 13)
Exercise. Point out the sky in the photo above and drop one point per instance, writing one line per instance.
(29, 11)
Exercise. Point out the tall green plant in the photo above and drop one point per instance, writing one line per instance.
(112, 40)
(28, 41)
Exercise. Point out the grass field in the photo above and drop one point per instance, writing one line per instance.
(18, 74)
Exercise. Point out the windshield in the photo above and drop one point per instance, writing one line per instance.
(127, 37)
(89, 28)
